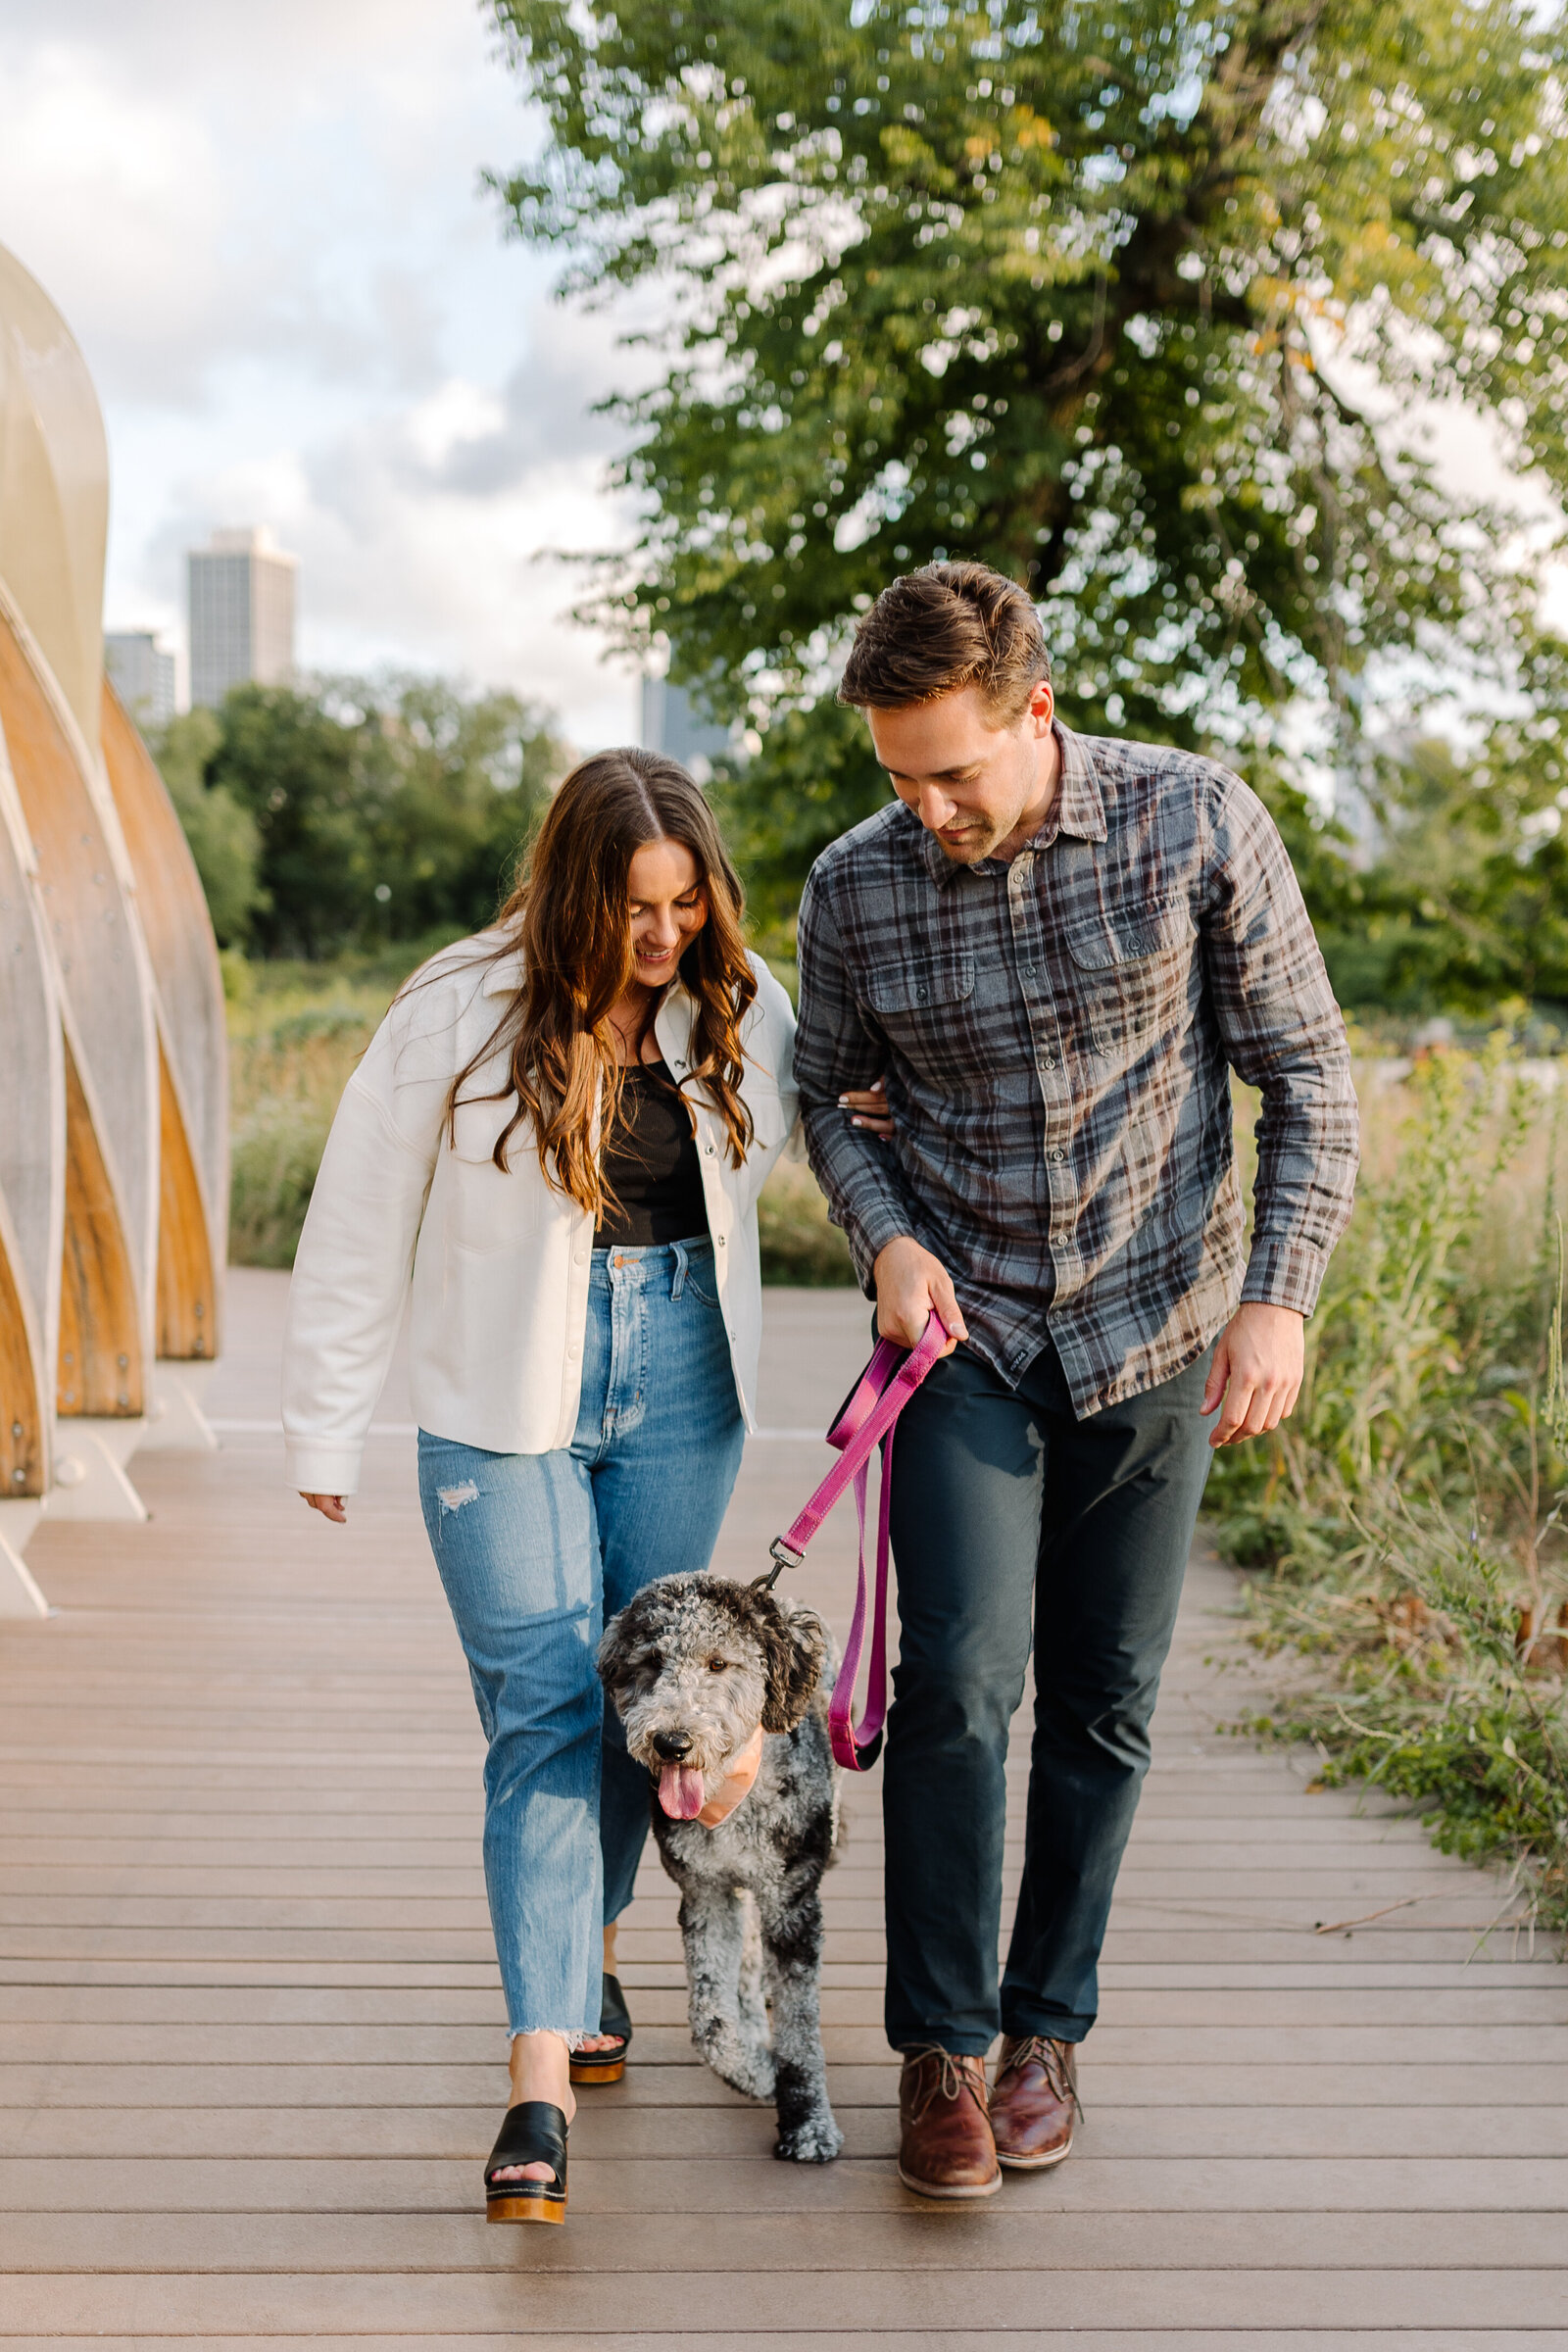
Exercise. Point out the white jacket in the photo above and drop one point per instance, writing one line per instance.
(499, 1263)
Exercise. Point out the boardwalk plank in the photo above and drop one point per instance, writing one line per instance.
(250, 2026)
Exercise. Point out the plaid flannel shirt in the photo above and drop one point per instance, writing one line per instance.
(1057, 1035)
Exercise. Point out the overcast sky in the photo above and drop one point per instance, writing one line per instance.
(266, 228)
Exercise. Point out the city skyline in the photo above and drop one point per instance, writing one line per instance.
(241, 608)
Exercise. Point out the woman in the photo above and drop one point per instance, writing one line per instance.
(558, 1136)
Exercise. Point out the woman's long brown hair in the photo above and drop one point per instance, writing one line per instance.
(570, 916)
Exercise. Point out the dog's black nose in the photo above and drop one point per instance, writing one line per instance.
(672, 1745)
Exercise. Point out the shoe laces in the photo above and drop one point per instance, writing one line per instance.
(1054, 2058)
(950, 2078)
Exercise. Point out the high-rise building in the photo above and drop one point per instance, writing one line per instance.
(241, 614)
(671, 725)
(143, 674)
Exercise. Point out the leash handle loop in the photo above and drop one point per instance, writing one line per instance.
(866, 1421)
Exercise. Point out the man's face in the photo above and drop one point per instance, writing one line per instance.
(972, 782)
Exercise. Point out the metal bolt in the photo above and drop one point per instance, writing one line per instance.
(19, 1478)
(16, 1429)
(199, 1310)
(123, 1398)
(124, 1361)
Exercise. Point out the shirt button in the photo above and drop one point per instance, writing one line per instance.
(1028, 971)
(1047, 1061)
(579, 1257)
(721, 1241)
(708, 1148)
(1058, 1155)
(574, 1352)
(919, 996)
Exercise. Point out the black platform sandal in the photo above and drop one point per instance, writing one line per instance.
(531, 2132)
(607, 2065)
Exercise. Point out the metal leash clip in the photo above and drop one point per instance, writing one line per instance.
(783, 1555)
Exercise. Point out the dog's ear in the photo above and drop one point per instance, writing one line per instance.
(615, 1653)
(793, 1643)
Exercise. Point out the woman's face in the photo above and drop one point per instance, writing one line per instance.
(668, 908)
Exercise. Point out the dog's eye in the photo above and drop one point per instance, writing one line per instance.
(718, 1665)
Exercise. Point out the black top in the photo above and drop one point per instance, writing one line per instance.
(652, 1167)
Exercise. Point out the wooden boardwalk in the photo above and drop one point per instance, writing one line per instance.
(252, 2038)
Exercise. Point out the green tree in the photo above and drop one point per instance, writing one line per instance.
(1135, 303)
(315, 785)
(380, 810)
(221, 832)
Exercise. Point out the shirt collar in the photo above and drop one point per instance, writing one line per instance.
(1078, 810)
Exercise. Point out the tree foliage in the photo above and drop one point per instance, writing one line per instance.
(1137, 303)
(374, 811)
(221, 832)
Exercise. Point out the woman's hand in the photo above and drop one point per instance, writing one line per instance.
(736, 1783)
(869, 1108)
(330, 1507)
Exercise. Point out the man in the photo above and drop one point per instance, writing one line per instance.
(1058, 947)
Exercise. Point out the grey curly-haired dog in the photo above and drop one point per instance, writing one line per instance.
(693, 1665)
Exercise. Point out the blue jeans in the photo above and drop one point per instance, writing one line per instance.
(535, 1551)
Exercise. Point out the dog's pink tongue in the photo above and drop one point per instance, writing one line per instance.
(682, 1791)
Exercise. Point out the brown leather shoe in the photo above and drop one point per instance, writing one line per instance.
(945, 2143)
(1034, 2102)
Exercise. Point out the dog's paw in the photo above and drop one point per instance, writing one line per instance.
(742, 2066)
(815, 2141)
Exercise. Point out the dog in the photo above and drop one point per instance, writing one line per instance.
(693, 1665)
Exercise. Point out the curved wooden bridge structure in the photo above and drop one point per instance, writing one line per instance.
(114, 1179)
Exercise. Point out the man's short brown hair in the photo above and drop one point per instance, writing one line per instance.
(942, 628)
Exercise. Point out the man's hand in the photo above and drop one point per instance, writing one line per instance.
(1259, 1361)
(330, 1507)
(910, 1283)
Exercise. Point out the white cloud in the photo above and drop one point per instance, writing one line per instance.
(267, 229)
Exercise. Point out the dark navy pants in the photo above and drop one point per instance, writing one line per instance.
(1010, 1515)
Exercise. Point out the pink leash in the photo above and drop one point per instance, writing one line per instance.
(879, 1397)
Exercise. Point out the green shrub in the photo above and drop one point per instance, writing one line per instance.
(1408, 1518)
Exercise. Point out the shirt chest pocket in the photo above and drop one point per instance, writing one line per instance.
(1134, 968)
(488, 1209)
(924, 1007)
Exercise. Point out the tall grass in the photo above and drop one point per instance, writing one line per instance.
(1408, 1519)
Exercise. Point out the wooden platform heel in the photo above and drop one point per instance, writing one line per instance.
(531, 2132)
(605, 2066)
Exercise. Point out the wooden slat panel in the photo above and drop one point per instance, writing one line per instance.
(188, 1326)
(31, 1162)
(193, 1218)
(101, 1371)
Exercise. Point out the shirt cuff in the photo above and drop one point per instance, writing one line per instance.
(313, 1468)
(869, 1235)
(1287, 1272)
